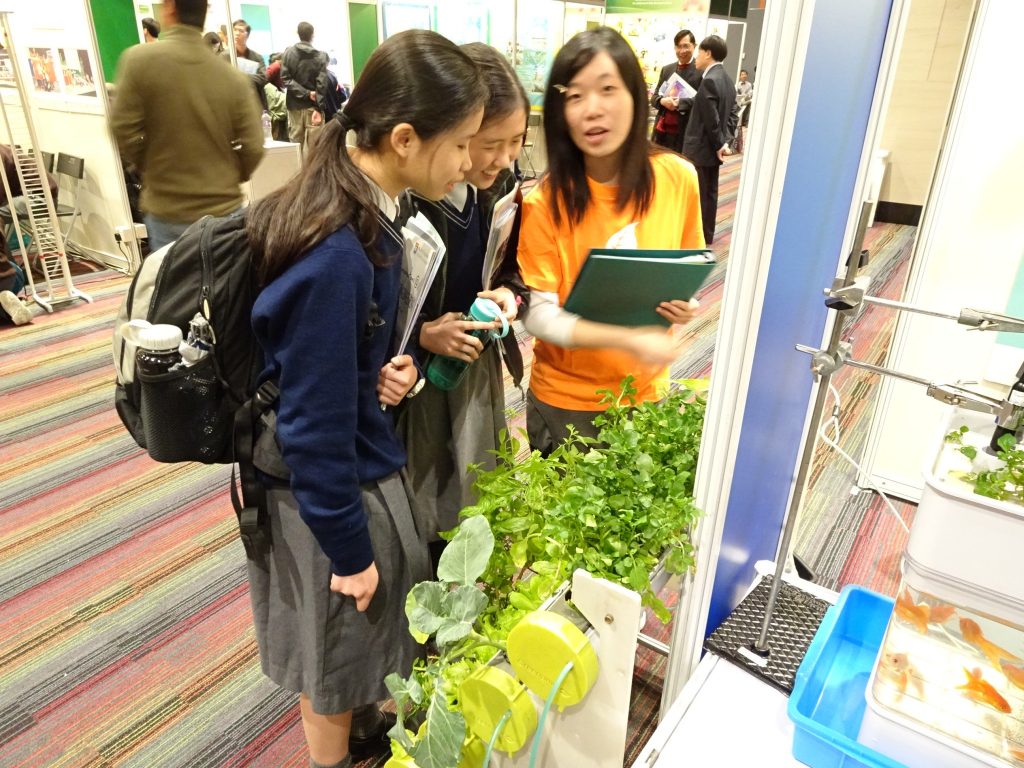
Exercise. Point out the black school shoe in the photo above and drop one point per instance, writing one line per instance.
(373, 744)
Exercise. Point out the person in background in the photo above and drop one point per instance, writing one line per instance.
(12, 280)
(744, 97)
(150, 30)
(674, 112)
(606, 186)
(248, 60)
(276, 106)
(329, 592)
(712, 126)
(445, 431)
(304, 73)
(187, 122)
(213, 40)
(744, 90)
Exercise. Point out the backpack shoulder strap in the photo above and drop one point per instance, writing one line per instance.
(251, 507)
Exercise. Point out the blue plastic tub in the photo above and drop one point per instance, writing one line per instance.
(827, 703)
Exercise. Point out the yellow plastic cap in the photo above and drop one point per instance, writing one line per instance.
(485, 697)
(541, 645)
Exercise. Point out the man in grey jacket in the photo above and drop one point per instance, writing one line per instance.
(304, 73)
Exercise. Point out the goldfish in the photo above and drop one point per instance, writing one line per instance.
(915, 615)
(1013, 673)
(978, 690)
(920, 615)
(972, 634)
(897, 669)
(941, 613)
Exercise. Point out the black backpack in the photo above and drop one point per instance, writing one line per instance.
(205, 412)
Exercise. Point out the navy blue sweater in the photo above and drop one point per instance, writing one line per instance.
(466, 244)
(311, 323)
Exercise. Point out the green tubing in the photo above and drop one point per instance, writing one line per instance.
(494, 736)
(544, 713)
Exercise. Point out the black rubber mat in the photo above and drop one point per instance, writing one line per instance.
(795, 620)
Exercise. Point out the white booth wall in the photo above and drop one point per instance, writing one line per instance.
(75, 124)
(968, 254)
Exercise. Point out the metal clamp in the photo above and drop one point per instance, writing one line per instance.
(990, 321)
(824, 363)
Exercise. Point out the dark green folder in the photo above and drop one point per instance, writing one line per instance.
(623, 286)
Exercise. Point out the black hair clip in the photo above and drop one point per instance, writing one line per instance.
(373, 322)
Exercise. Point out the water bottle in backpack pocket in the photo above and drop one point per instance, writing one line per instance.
(182, 406)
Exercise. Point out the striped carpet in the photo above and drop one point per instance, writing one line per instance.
(853, 539)
(126, 633)
(127, 637)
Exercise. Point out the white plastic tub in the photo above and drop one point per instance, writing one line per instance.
(970, 538)
(931, 722)
(916, 746)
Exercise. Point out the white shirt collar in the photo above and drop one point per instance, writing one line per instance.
(388, 206)
(712, 66)
(459, 195)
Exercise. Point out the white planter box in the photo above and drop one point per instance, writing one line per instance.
(956, 532)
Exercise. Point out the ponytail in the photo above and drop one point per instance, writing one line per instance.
(329, 192)
(404, 81)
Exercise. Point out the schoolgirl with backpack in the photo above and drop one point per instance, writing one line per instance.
(329, 592)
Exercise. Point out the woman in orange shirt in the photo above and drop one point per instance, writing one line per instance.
(607, 185)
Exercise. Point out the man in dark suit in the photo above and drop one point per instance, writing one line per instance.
(670, 122)
(711, 127)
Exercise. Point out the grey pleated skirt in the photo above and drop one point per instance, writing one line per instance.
(314, 641)
(445, 432)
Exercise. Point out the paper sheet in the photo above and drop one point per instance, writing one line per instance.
(422, 256)
(502, 219)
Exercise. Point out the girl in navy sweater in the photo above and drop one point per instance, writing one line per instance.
(329, 595)
(446, 431)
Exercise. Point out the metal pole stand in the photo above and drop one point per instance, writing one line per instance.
(775, 611)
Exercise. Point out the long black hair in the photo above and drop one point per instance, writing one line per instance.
(416, 77)
(506, 94)
(566, 168)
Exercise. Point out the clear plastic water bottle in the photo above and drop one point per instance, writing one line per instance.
(267, 131)
(447, 372)
(157, 349)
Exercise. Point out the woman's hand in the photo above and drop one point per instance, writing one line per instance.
(448, 336)
(396, 379)
(506, 301)
(360, 586)
(652, 344)
(677, 311)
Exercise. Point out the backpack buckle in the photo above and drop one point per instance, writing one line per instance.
(252, 532)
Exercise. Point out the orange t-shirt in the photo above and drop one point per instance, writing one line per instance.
(550, 258)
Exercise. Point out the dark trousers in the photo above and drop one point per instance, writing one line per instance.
(673, 141)
(707, 180)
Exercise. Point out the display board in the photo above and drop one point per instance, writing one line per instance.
(651, 34)
(115, 30)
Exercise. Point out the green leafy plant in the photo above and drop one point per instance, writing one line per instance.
(956, 438)
(1007, 482)
(614, 506)
(445, 610)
